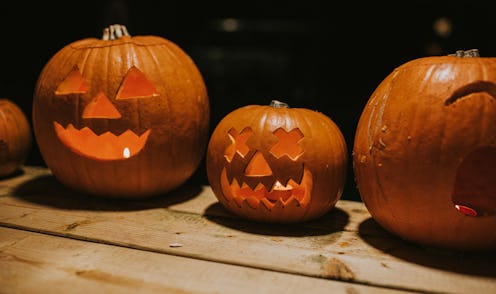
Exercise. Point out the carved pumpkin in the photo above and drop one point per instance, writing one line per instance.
(121, 116)
(15, 137)
(277, 164)
(424, 154)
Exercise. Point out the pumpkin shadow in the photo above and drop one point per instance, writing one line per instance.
(463, 262)
(48, 191)
(17, 173)
(332, 222)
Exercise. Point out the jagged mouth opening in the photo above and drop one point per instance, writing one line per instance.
(104, 147)
(278, 194)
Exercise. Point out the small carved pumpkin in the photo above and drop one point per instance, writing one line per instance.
(15, 137)
(277, 164)
(424, 154)
(121, 116)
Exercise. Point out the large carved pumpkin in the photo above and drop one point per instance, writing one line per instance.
(121, 116)
(15, 137)
(277, 164)
(424, 154)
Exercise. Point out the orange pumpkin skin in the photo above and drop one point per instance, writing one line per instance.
(15, 137)
(121, 116)
(424, 154)
(299, 152)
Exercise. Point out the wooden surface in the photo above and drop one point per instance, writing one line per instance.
(53, 240)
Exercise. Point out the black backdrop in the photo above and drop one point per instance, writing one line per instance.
(314, 54)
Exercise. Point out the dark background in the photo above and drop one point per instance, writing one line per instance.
(322, 55)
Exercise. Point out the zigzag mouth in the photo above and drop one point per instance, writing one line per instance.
(103, 147)
(278, 194)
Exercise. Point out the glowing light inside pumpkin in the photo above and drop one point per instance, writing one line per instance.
(126, 153)
(258, 185)
(104, 147)
(466, 210)
(280, 187)
(475, 188)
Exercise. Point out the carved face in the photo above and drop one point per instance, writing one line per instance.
(474, 190)
(425, 152)
(107, 145)
(121, 116)
(266, 177)
(262, 166)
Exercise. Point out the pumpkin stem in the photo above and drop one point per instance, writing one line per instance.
(466, 53)
(114, 32)
(278, 104)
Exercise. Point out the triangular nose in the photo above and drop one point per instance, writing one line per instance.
(100, 107)
(258, 166)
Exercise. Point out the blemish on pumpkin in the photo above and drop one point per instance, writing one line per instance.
(382, 145)
(335, 268)
(384, 128)
(474, 192)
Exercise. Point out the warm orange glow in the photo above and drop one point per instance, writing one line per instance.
(287, 144)
(106, 146)
(280, 187)
(466, 210)
(136, 85)
(258, 166)
(100, 107)
(72, 84)
(238, 143)
(260, 195)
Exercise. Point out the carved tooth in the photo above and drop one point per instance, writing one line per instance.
(253, 202)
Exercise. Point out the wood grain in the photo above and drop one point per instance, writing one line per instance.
(344, 245)
(38, 263)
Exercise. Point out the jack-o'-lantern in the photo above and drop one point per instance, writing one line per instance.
(121, 116)
(15, 137)
(424, 154)
(277, 164)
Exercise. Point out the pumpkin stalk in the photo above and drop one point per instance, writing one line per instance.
(114, 32)
(278, 104)
(466, 53)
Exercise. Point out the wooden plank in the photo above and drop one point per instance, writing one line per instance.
(343, 245)
(37, 263)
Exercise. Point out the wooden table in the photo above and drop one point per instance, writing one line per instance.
(53, 240)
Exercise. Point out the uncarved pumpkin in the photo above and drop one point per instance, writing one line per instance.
(277, 164)
(121, 116)
(424, 154)
(15, 137)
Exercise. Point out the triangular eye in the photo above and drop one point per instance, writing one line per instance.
(288, 143)
(72, 84)
(136, 85)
